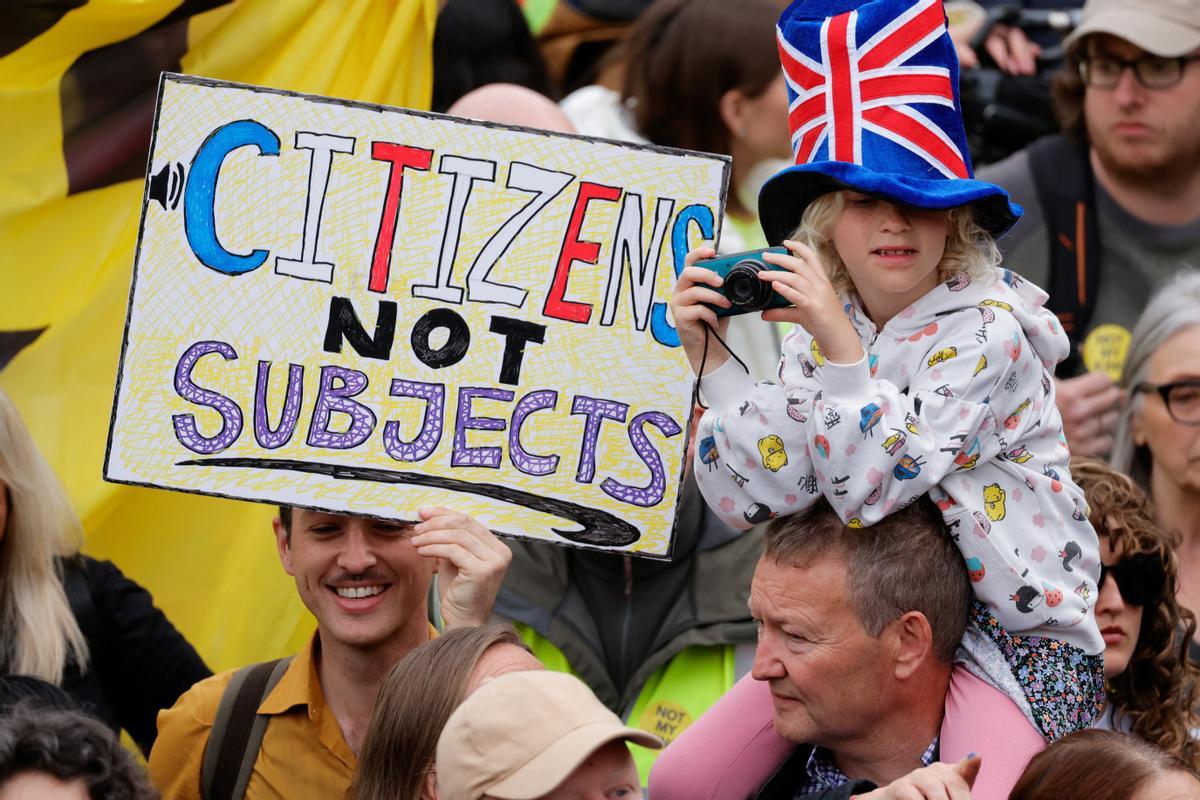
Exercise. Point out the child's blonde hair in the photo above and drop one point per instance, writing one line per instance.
(969, 247)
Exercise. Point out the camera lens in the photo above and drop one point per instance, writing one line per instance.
(744, 289)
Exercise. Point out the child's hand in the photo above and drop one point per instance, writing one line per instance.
(816, 306)
(687, 306)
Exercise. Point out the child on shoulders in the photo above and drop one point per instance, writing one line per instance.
(917, 365)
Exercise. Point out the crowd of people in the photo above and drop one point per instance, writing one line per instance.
(940, 533)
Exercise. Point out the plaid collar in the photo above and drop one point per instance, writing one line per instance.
(823, 772)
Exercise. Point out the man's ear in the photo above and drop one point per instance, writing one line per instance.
(282, 545)
(913, 643)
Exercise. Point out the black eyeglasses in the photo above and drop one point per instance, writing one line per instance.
(1139, 578)
(1152, 72)
(1182, 398)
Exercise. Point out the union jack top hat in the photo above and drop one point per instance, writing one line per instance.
(874, 107)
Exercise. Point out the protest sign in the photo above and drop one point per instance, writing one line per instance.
(368, 310)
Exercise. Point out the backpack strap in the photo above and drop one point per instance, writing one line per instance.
(1066, 189)
(237, 731)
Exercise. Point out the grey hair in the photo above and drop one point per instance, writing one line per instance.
(1174, 307)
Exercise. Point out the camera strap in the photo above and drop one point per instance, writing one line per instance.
(696, 401)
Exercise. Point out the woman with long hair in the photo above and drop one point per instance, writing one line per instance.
(416, 699)
(72, 620)
(1150, 683)
(38, 529)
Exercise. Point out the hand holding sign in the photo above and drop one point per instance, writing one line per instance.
(471, 564)
(358, 309)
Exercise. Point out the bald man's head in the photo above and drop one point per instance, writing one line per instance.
(510, 104)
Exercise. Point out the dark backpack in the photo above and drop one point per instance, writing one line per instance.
(1066, 189)
(237, 731)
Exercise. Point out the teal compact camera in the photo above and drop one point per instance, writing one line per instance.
(742, 286)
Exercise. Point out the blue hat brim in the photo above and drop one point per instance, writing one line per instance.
(783, 198)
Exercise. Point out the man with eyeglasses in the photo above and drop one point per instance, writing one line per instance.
(1112, 205)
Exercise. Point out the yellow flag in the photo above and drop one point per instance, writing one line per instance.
(77, 93)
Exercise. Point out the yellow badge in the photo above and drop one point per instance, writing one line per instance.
(774, 457)
(665, 719)
(816, 353)
(1104, 350)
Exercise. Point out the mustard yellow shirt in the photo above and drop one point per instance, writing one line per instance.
(303, 753)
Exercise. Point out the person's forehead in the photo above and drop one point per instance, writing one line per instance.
(311, 515)
(1111, 552)
(304, 516)
(606, 763)
(1178, 357)
(811, 591)
(35, 783)
(1108, 44)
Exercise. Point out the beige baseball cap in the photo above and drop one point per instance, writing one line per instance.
(520, 735)
(1162, 27)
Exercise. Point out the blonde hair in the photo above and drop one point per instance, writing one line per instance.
(969, 247)
(38, 631)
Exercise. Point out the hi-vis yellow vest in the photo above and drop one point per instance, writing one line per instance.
(671, 699)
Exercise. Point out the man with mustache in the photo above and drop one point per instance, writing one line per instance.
(366, 581)
(1112, 206)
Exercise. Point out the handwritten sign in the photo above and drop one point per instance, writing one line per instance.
(368, 310)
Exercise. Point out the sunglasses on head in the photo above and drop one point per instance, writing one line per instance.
(1139, 578)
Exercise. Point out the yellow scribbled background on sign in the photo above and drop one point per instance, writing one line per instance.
(266, 316)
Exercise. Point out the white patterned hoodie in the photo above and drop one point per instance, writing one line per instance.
(954, 398)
